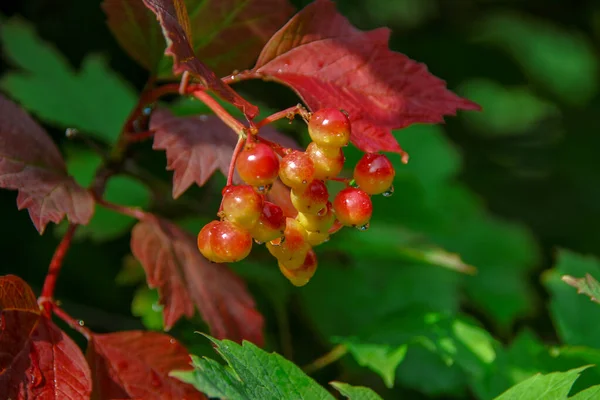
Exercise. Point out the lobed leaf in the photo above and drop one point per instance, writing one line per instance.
(186, 280)
(198, 146)
(94, 99)
(226, 35)
(19, 314)
(355, 392)
(136, 364)
(588, 286)
(251, 374)
(330, 63)
(553, 386)
(50, 366)
(32, 164)
(174, 20)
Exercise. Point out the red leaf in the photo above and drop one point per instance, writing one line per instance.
(198, 146)
(174, 21)
(31, 163)
(19, 314)
(238, 29)
(136, 365)
(134, 27)
(183, 277)
(330, 63)
(50, 366)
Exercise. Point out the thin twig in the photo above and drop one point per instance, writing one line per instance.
(335, 354)
(72, 322)
(133, 212)
(54, 268)
(222, 113)
(288, 113)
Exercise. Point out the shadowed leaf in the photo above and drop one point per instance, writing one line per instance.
(19, 314)
(198, 146)
(31, 163)
(50, 366)
(136, 365)
(330, 63)
(175, 25)
(94, 99)
(185, 279)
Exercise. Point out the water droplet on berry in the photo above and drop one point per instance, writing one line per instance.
(363, 227)
(389, 192)
(172, 341)
(304, 182)
(322, 212)
(258, 242)
(80, 322)
(147, 111)
(264, 189)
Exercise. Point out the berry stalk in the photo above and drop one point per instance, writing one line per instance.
(220, 112)
(72, 322)
(288, 113)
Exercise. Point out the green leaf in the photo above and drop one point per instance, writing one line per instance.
(575, 317)
(94, 99)
(588, 394)
(588, 286)
(507, 110)
(545, 52)
(380, 358)
(355, 392)
(553, 386)
(145, 305)
(250, 374)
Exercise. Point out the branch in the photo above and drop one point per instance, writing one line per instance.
(220, 112)
(133, 212)
(335, 354)
(288, 113)
(77, 325)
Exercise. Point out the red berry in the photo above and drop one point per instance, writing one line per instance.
(257, 164)
(204, 238)
(353, 207)
(242, 205)
(293, 248)
(320, 223)
(329, 127)
(302, 275)
(271, 224)
(296, 170)
(374, 173)
(328, 162)
(312, 199)
(230, 242)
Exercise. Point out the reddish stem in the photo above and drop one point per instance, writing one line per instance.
(337, 225)
(342, 180)
(288, 113)
(222, 113)
(54, 269)
(236, 151)
(241, 76)
(72, 322)
(125, 210)
(279, 149)
(138, 137)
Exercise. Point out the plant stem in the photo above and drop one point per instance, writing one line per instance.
(335, 354)
(241, 76)
(139, 136)
(56, 263)
(337, 225)
(222, 113)
(288, 113)
(125, 210)
(72, 322)
(279, 149)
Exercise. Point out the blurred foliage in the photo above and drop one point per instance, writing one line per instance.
(506, 191)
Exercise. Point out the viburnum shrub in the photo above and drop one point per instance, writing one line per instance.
(354, 91)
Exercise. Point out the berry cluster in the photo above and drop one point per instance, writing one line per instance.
(247, 216)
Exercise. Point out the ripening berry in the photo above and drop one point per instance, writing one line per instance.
(311, 199)
(302, 275)
(270, 225)
(327, 165)
(353, 207)
(374, 173)
(230, 242)
(242, 205)
(204, 241)
(317, 238)
(292, 249)
(296, 170)
(320, 223)
(258, 165)
(329, 127)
